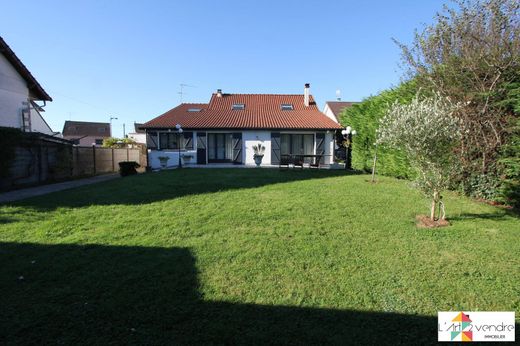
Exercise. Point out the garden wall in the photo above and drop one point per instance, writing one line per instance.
(33, 158)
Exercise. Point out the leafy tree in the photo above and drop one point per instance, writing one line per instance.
(426, 131)
(471, 55)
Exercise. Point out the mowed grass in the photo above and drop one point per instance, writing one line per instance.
(248, 256)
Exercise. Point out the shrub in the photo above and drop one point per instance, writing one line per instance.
(469, 53)
(258, 149)
(509, 190)
(128, 168)
(112, 142)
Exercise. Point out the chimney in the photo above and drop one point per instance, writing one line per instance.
(306, 94)
(219, 92)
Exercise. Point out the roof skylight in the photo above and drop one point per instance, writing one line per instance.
(194, 109)
(287, 107)
(238, 106)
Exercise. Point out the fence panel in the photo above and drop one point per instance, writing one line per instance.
(41, 159)
(94, 160)
(104, 160)
(84, 163)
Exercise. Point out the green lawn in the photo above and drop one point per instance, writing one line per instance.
(247, 256)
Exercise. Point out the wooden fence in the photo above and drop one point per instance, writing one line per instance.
(42, 159)
(95, 160)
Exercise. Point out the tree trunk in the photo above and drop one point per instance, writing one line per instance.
(434, 203)
(374, 168)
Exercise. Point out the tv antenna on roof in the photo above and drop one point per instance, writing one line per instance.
(338, 95)
(182, 93)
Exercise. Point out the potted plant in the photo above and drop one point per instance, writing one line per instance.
(164, 161)
(259, 151)
(187, 157)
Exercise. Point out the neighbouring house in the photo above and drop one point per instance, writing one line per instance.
(139, 135)
(333, 109)
(225, 130)
(85, 133)
(19, 94)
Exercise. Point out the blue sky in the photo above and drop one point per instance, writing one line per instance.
(127, 58)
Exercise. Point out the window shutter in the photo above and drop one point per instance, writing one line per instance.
(188, 140)
(201, 148)
(151, 140)
(275, 148)
(320, 145)
(237, 148)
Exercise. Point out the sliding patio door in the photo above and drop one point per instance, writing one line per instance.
(297, 144)
(220, 147)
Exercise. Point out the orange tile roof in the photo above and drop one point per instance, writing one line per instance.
(262, 111)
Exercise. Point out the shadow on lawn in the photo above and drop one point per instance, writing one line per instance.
(91, 294)
(153, 187)
(4, 220)
(486, 216)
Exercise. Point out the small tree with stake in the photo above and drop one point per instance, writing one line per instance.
(427, 132)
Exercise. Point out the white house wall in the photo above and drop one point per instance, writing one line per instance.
(250, 138)
(328, 112)
(138, 137)
(329, 147)
(173, 155)
(38, 124)
(13, 92)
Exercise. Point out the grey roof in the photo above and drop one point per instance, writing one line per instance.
(337, 106)
(137, 128)
(86, 128)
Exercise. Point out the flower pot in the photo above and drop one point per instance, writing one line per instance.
(258, 160)
(164, 162)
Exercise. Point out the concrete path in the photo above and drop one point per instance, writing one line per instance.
(17, 195)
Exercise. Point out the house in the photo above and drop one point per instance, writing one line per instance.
(19, 94)
(333, 109)
(85, 133)
(225, 129)
(139, 135)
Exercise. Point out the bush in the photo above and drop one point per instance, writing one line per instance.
(128, 168)
(510, 163)
(364, 118)
(484, 186)
(112, 142)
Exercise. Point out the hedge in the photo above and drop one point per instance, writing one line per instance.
(364, 118)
